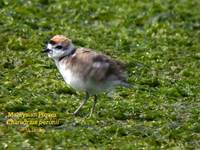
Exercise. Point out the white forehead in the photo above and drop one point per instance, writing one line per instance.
(49, 46)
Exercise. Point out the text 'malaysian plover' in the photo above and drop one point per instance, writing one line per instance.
(84, 69)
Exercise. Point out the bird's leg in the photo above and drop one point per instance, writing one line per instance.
(82, 103)
(93, 106)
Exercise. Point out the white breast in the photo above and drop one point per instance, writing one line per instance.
(67, 75)
(71, 78)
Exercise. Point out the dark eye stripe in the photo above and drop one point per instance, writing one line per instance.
(52, 42)
(59, 47)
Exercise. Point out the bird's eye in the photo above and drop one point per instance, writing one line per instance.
(59, 47)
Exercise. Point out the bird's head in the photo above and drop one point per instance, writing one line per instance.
(59, 46)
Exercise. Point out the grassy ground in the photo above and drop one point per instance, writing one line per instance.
(159, 41)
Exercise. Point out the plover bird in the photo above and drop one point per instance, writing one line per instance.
(84, 69)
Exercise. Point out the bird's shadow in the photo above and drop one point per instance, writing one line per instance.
(68, 91)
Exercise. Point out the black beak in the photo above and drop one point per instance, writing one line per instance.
(46, 50)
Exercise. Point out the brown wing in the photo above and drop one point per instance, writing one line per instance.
(111, 68)
(98, 67)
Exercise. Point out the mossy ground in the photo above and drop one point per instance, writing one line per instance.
(158, 40)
